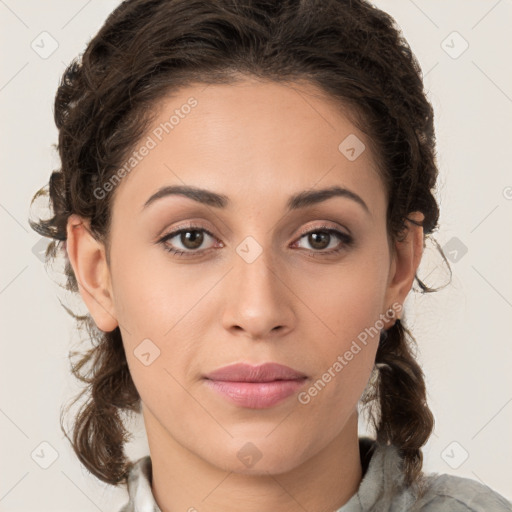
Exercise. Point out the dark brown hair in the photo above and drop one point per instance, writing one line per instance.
(351, 51)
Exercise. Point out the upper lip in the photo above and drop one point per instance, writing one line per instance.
(267, 372)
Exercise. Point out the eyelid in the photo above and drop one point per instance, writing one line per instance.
(325, 225)
(186, 225)
(304, 231)
(346, 241)
(175, 231)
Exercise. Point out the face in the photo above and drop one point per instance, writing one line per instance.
(253, 280)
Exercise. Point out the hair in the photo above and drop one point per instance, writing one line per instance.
(348, 49)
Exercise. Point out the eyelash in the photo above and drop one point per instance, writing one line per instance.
(346, 240)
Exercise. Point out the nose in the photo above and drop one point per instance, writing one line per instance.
(258, 296)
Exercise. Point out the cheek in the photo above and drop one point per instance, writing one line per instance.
(149, 293)
(344, 357)
(345, 298)
(344, 320)
(158, 306)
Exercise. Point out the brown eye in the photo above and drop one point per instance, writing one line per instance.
(323, 240)
(186, 240)
(319, 239)
(191, 239)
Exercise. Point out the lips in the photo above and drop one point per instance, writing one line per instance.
(255, 387)
(268, 372)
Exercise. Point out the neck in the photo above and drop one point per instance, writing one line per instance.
(183, 481)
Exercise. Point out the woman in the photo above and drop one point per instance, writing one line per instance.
(245, 192)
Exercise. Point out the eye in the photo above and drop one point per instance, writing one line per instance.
(191, 239)
(322, 238)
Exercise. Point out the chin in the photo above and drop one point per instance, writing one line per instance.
(258, 457)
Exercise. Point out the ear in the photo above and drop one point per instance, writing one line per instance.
(88, 259)
(405, 261)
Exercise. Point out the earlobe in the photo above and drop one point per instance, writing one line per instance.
(88, 260)
(407, 257)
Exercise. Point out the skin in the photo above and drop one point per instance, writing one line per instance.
(257, 143)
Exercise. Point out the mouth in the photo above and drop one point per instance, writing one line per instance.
(255, 387)
(242, 372)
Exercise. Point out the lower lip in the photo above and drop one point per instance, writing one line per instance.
(256, 395)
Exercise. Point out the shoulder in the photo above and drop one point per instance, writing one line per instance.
(458, 494)
(383, 488)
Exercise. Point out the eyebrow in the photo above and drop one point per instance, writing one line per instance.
(295, 202)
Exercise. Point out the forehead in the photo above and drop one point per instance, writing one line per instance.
(252, 139)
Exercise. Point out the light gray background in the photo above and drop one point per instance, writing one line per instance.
(463, 331)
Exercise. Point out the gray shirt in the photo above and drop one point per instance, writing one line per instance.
(380, 490)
